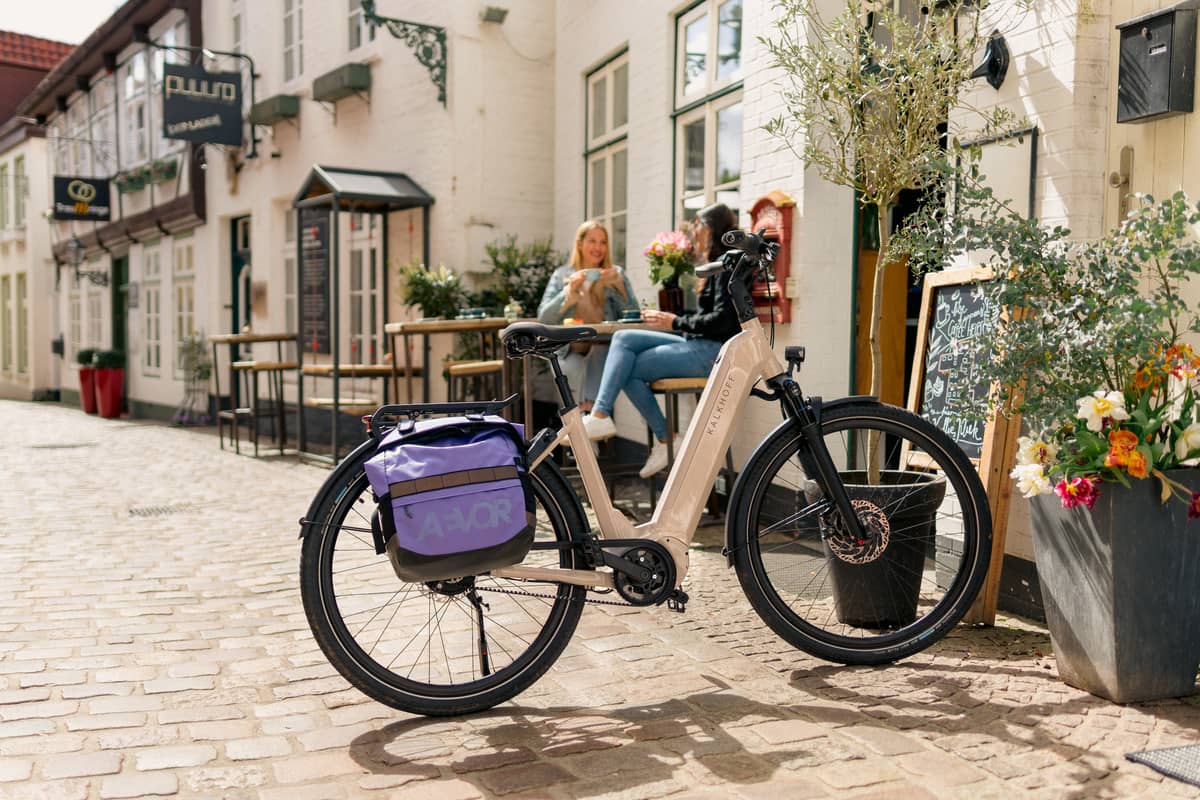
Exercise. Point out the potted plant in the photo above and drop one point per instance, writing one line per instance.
(1110, 463)
(866, 100)
(133, 180)
(110, 382)
(438, 292)
(196, 363)
(672, 255)
(521, 273)
(164, 170)
(87, 380)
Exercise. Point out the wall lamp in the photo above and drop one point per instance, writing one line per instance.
(995, 61)
(75, 250)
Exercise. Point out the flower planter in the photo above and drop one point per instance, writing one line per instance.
(110, 392)
(882, 592)
(1119, 585)
(87, 389)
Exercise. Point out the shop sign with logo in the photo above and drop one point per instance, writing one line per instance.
(81, 198)
(202, 106)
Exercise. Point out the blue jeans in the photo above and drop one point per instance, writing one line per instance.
(638, 358)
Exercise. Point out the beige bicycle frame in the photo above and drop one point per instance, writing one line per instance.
(743, 360)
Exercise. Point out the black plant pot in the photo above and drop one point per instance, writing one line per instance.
(882, 592)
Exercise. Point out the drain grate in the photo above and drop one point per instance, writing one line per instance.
(61, 445)
(159, 511)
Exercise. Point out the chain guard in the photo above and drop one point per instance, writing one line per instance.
(852, 550)
(662, 576)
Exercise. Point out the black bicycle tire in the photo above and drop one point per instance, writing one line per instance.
(552, 490)
(773, 609)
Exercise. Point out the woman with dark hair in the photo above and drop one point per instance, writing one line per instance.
(679, 346)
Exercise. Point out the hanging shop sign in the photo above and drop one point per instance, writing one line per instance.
(202, 106)
(81, 198)
(314, 279)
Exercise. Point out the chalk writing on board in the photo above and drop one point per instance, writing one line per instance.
(953, 397)
(314, 281)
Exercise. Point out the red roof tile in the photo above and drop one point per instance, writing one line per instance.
(32, 52)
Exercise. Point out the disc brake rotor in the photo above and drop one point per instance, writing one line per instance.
(877, 532)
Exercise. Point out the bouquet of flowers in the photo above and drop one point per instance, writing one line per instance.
(671, 254)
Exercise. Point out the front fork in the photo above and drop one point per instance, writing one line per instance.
(814, 455)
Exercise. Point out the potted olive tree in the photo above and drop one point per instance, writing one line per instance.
(867, 95)
(87, 380)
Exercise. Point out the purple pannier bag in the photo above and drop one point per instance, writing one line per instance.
(454, 497)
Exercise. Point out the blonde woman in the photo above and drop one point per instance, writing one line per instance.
(590, 288)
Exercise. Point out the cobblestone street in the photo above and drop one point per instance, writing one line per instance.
(153, 643)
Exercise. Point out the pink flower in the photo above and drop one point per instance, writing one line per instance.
(1194, 506)
(1077, 491)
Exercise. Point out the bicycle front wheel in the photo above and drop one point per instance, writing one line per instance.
(444, 647)
(916, 570)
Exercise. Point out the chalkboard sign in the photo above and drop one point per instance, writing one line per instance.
(314, 280)
(945, 388)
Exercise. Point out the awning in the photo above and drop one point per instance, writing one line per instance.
(360, 190)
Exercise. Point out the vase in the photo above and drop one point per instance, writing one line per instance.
(1119, 586)
(87, 389)
(670, 296)
(110, 392)
(882, 592)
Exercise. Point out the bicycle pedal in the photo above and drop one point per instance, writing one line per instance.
(677, 601)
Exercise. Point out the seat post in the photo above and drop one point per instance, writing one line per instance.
(564, 388)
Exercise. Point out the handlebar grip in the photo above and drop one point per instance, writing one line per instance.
(709, 269)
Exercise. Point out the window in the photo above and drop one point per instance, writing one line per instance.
(134, 139)
(360, 31)
(237, 22)
(4, 194)
(175, 35)
(94, 312)
(607, 151)
(19, 189)
(185, 299)
(708, 100)
(6, 329)
(104, 128)
(152, 305)
(79, 135)
(293, 39)
(75, 331)
(364, 295)
(289, 270)
(22, 325)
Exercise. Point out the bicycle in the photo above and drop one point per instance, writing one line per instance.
(859, 533)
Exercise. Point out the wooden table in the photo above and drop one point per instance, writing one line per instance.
(232, 340)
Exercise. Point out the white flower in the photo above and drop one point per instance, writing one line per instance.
(1035, 451)
(1100, 404)
(1031, 480)
(1188, 441)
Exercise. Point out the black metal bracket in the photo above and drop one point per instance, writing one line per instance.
(428, 43)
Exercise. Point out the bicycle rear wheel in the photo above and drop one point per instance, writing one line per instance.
(907, 582)
(444, 647)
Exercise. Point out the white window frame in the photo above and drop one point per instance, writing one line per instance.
(152, 310)
(604, 147)
(711, 82)
(365, 340)
(183, 305)
(237, 26)
(688, 202)
(135, 136)
(174, 34)
(4, 196)
(95, 313)
(358, 32)
(20, 188)
(293, 53)
(75, 326)
(21, 289)
(79, 115)
(103, 99)
(6, 324)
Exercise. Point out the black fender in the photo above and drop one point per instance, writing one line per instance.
(789, 427)
(338, 477)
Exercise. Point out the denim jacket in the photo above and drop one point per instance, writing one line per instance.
(551, 312)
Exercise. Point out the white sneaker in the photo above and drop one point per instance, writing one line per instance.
(658, 460)
(599, 427)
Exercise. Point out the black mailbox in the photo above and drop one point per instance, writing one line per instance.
(1157, 64)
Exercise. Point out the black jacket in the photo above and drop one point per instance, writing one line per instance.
(715, 317)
